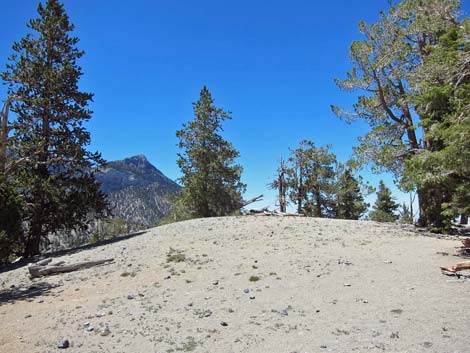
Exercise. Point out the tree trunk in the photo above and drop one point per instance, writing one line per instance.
(422, 205)
(299, 194)
(464, 218)
(33, 246)
(318, 203)
(282, 196)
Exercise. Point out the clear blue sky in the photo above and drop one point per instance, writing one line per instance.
(271, 63)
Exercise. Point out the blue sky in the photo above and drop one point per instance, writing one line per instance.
(271, 63)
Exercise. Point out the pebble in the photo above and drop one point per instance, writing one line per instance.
(105, 331)
(284, 312)
(64, 344)
(252, 297)
(246, 290)
(27, 316)
(215, 283)
(223, 323)
(130, 296)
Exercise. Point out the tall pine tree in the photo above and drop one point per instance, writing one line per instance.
(387, 69)
(48, 140)
(211, 181)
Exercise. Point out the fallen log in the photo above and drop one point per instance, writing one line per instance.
(39, 271)
(254, 199)
(258, 211)
(288, 214)
(43, 262)
(457, 267)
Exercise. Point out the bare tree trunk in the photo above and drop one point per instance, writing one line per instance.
(464, 218)
(423, 205)
(282, 187)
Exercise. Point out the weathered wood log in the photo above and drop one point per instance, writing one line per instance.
(457, 267)
(254, 199)
(43, 262)
(288, 214)
(40, 271)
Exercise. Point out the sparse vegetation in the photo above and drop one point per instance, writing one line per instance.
(175, 255)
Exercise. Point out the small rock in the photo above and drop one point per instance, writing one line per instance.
(323, 346)
(252, 297)
(246, 290)
(284, 312)
(223, 323)
(105, 331)
(90, 328)
(27, 316)
(130, 296)
(64, 344)
(215, 283)
(347, 285)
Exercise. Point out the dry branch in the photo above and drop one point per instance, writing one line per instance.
(40, 271)
(457, 267)
(254, 199)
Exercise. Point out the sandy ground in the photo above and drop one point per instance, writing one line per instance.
(323, 286)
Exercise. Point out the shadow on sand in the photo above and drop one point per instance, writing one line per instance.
(15, 294)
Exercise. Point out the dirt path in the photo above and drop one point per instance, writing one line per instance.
(247, 284)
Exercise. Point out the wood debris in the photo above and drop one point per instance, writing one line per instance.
(42, 268)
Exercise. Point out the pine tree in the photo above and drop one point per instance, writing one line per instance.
(55, 174)
(443, 170)
(10, 222)
(387, 68)
(211, 181)
(349, 197)
(310, 178)
(405, 214)
(384, 209)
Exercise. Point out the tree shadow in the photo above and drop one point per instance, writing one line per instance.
(16, 294)
(70, 251)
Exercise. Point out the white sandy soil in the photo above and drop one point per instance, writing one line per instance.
(323, 286)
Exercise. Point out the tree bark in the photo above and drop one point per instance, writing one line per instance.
(464, 218)
(422, 205)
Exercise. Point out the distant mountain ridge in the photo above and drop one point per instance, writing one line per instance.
(137, 191)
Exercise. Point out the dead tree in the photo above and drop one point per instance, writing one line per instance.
(281, 185)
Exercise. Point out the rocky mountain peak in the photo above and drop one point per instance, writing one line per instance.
(138, 192)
